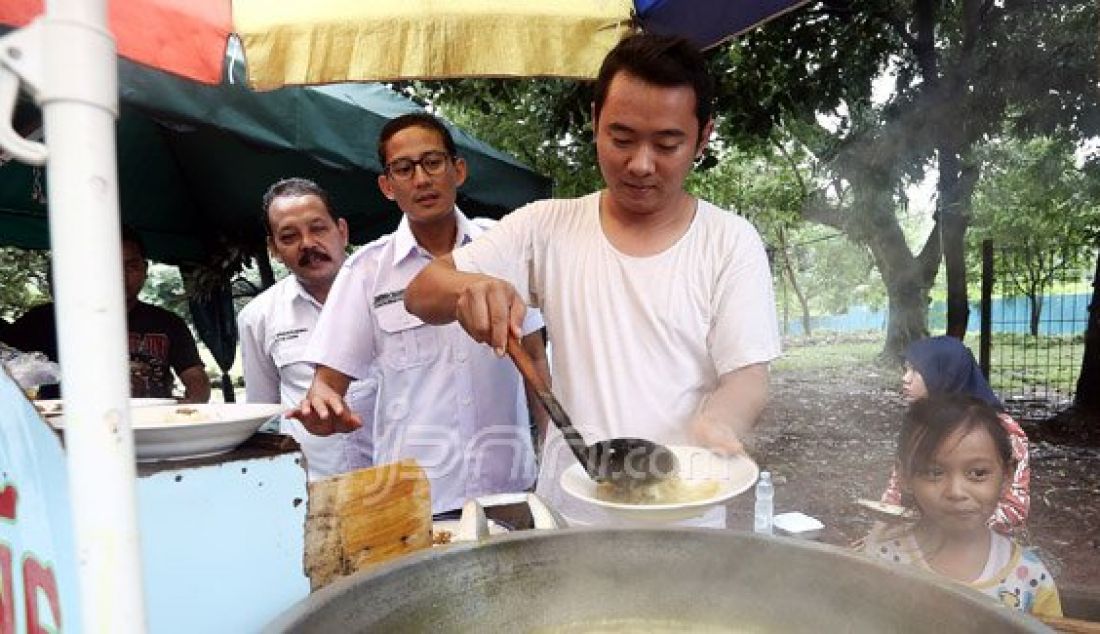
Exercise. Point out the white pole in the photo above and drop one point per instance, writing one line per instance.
(78, 92)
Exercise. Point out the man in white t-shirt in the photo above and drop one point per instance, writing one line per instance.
(659, 305)
(306, 235)
(443, 399)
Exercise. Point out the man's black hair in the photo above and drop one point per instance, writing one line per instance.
(419, 120)
(662, 60)
(131, 236)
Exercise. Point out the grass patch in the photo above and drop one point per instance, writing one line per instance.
(1019, 363)
(1022, 361)
(817, 354)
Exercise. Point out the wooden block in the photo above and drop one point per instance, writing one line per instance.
(360, 519)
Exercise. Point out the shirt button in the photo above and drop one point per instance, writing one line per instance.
(461, 356)
(465, 399)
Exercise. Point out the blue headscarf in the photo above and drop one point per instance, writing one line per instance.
(947, 366)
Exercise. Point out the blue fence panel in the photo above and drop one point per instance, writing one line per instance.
(1061, 315)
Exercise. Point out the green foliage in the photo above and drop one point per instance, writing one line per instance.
(1039, 209)
(546, 123)
(164, 288)
(768, 186)
(25, 280)
(1032, 195)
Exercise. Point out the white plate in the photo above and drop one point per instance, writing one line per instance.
(164, 432)
(734, 475)
(55, 406)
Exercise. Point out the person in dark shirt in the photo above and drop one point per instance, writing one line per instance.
(159, 341)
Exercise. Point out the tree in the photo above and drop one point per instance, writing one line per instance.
(960, 72)
(1086, 401)
(1033, 200)
(769, 186)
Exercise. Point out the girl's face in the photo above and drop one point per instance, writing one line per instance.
(912, 384)
(959, 488)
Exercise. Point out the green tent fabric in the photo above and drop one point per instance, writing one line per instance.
(194, 161)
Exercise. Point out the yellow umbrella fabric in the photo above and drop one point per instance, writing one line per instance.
(289, 42)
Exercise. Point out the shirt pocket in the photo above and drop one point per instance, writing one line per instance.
(288, 352)
(404, 340)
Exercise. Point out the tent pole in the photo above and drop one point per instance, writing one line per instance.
(79, 99)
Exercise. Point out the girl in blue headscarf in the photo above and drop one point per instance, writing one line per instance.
(943, 365)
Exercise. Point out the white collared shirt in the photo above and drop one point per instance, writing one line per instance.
(274, 329)
(443, 398)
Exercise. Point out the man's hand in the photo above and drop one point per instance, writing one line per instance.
(196, 385)
(727, 415)
(490, 310)
(716, 435)
(323, 411)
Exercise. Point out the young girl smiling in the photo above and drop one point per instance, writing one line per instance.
(954, 460)
(943, 365)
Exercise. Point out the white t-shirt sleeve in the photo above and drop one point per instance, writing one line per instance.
(261, 376)
(745, 329)
(503, 251)
(343, 339)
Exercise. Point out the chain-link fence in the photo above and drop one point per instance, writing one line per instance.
(1034, 311)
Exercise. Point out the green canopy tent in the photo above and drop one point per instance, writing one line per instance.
(194, 161)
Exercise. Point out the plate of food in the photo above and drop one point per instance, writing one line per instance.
(703, 480)
(56, 407)
(174, 432)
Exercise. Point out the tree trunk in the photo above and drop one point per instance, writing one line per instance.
(908, 314)
(1035, 302)
(789, 268)
(908, 279)
(1087, 398)
(956, 187)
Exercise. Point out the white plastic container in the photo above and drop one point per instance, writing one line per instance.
(797, 524)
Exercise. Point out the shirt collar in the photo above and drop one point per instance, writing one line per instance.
(404, 242)
(300, 291)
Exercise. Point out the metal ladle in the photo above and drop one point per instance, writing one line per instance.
(624, 462)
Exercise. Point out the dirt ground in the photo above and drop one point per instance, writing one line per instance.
(828, 436)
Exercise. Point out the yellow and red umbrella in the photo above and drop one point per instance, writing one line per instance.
(290, 42)
(287, 42)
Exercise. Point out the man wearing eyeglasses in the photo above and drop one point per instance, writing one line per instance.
(442, 399)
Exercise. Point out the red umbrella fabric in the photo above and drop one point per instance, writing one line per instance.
(184, 37)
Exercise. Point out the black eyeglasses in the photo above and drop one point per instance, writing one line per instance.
(404, 168)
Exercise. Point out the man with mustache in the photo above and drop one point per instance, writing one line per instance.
(660, 305)
(443, 399)
(305, 234)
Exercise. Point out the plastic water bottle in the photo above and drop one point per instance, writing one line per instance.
(765, 495)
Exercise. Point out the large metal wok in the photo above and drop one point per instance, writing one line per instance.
(706, 578)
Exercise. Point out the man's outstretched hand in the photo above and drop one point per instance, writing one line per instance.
(323, 411)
